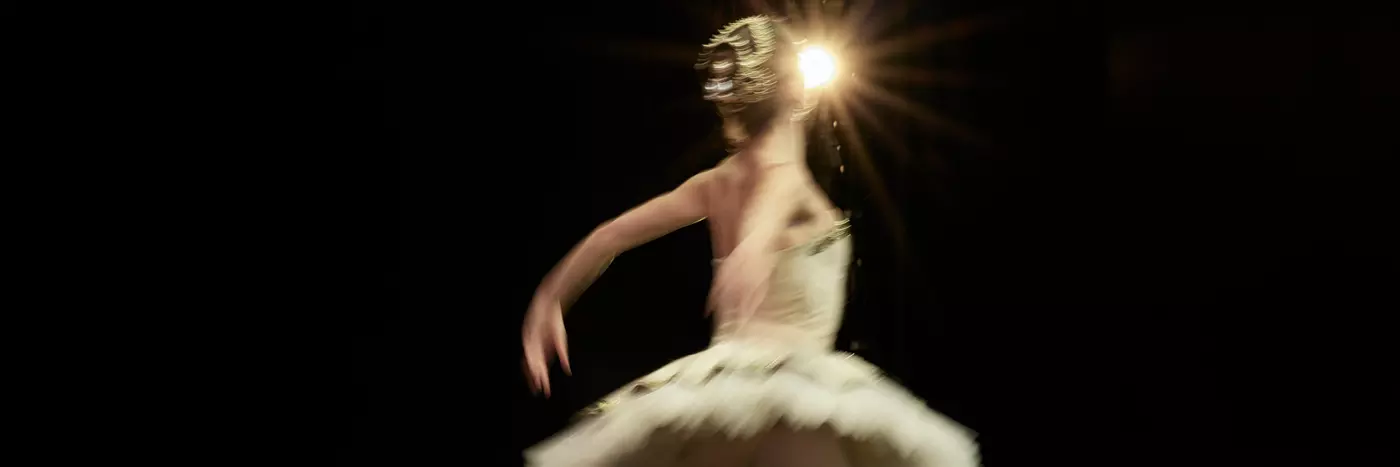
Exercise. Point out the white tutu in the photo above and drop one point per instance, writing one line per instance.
(739, 391)
(764, 379)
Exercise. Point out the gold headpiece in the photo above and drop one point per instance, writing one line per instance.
(747, 75)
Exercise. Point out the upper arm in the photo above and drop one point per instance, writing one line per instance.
(685, 205)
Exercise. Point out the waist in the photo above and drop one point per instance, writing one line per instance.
(775, 334)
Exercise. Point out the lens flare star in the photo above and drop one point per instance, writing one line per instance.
(818, 66)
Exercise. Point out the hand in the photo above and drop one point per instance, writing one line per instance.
(741, 282)
(543, 336)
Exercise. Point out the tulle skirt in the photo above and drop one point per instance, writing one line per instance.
(745, 404)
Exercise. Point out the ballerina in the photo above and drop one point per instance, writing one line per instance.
(770, 389)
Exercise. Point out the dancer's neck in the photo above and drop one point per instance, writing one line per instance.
(782, 145)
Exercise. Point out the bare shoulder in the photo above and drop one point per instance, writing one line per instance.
(703, 180)
(722, 175)
(700, 189)
(723, 169)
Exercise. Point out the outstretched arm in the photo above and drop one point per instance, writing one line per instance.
(543, 333)
(661, 215)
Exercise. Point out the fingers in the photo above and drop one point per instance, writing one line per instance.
(543, 340)
(540, 372)
(536, 365)
(561, 345)
(532, 377)
(533, 365)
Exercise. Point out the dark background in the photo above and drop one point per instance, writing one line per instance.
(1163, 238)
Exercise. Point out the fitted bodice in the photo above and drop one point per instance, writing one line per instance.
(806, 296)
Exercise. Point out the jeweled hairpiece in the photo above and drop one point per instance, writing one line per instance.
(740, 62)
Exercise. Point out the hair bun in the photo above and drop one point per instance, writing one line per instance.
(738, 64)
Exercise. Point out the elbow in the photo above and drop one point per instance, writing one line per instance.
(604, 240)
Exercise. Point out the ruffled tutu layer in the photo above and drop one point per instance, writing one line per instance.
(739, 391)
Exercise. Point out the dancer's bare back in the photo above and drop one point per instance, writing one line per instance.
(785, 194)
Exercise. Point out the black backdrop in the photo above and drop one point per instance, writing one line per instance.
(1157, 246)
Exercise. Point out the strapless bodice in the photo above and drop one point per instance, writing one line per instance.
(806, 296)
